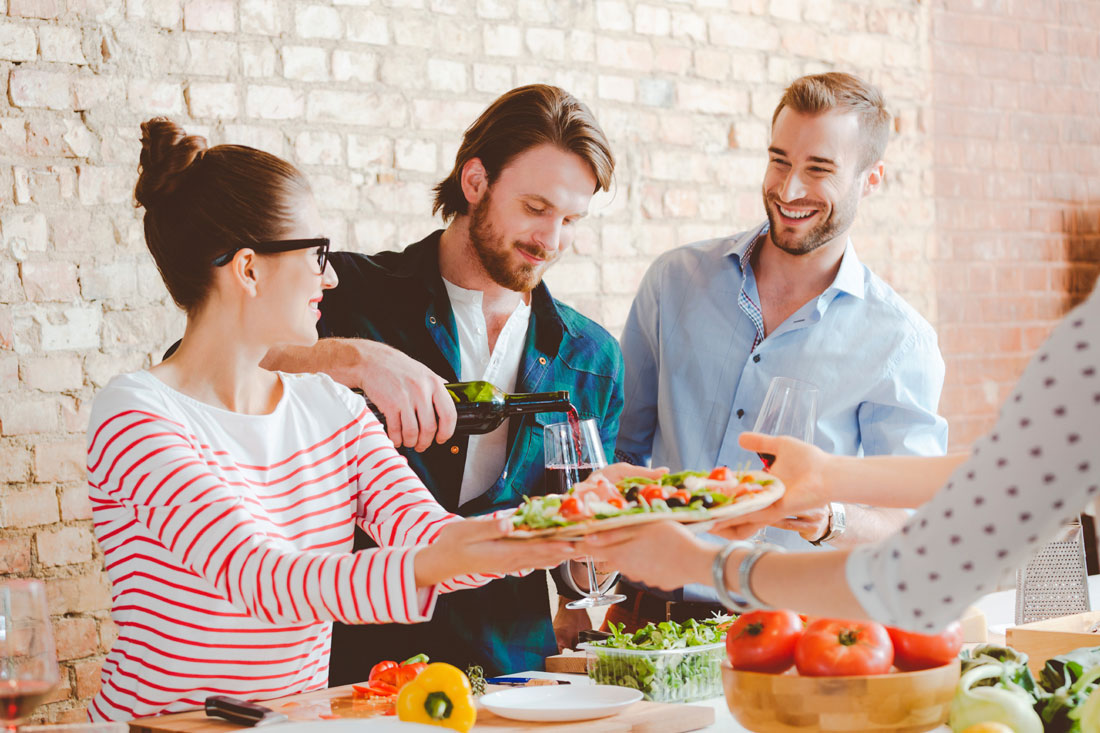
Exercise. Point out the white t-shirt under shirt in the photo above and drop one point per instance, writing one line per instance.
(486, 454)
(228, 539)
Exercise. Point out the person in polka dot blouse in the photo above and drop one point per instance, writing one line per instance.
(980, 513)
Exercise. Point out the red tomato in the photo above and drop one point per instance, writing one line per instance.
(617, 502)
(722, 473)
(381, 668)
(573, 509)
(683, 495)
(653, 491)
(833, 647)
(920, 651)
(763, 641)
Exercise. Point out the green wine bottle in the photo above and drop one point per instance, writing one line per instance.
(482, 407)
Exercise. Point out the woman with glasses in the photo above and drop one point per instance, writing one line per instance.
(224, 495)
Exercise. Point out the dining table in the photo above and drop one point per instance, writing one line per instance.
(711, 715)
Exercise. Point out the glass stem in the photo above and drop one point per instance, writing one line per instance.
(593, 584)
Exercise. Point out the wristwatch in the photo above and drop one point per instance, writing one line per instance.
(838, 522)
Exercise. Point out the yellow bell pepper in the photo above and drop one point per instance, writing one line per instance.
(440, 695)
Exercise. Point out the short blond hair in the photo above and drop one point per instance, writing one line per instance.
(820, 93)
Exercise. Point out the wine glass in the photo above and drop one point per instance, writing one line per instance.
(573, 450)
(28, 663)
(789, 408)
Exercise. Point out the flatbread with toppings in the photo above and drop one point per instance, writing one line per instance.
(597, 505)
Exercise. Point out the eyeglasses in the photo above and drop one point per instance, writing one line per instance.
(281, 245)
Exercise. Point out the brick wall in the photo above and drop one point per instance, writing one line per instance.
(1016, 104)
(370, 97)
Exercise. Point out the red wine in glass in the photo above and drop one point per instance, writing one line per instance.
(767, 459)
(19, 698)
(559, 479)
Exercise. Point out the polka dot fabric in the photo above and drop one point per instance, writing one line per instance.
(1038, 468)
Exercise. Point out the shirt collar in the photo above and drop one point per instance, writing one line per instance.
(849, 278)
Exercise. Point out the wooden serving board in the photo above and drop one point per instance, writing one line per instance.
(641, 717)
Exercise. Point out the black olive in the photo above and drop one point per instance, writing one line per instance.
(705, 499)
(673, 501)
(632, 493)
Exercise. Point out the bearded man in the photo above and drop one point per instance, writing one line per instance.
(468, 303)
(715, 321)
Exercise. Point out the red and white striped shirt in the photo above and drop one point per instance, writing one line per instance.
(228, 537)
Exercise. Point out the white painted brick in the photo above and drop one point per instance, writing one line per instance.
(613, 15)
(24, 232)
(257, 59)
(61, 44)
(546, 43)
(615, 88)
(404, 71)
(212, 100)
(739, 32)
(370, 151)
(710, 98)
(652, 20)
(274, 103)
(211, 57)
(445, 114)
(261, 137)
(17, 42)
(149, 97)
(315, 147)
(375, 235)
(305, 63)
(494, 78)
(33, 88)
(415, 155)
(624, 54)
(13, 134)
(446, 7)
(111, 281)
(503, 40)
(413, 31)
(354, 65)
(582, 46)
(68, 327)
(657, 92)
(260, 17)
(96, 91)
(537, 11)
(210, 15)
(104, 185)
(163, 13)
(365, 26)
(333, 192)
(407, 4)
(318, 21)
(786, 9)
(356, 108)
(495, 9)
(685, 24)
(447, 76)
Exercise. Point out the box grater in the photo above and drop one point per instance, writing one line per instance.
(1054, 582)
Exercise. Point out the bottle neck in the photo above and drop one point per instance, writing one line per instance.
(523, 404)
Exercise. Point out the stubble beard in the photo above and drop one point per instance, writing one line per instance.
(838, 221)
(496, 257)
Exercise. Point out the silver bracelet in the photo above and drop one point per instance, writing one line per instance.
(838, 522)
(744, 574)
(718, 574)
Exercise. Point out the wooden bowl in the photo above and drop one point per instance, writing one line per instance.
(899, 702)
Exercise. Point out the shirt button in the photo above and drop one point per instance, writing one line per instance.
(431, 320)
(542, 360)
(756, 358)
(454, 450)
(740, 413)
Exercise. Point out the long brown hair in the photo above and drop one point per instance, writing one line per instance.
(527, 116)
(200, 202)
(835, 90)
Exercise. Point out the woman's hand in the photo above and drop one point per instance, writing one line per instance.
(661, 554)
(477, 546)
(616, 472)
(800, 466)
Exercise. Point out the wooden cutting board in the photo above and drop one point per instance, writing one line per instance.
(641, 717)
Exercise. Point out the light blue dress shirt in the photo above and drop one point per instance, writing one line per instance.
(698, 364)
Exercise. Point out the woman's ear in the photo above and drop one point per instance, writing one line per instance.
(245, 270)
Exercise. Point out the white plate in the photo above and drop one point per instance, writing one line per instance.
(350, 725)
(560, 702)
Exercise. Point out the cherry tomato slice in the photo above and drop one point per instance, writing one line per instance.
(722, 473)
(653, 491)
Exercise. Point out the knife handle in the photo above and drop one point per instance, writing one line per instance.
(236, 710)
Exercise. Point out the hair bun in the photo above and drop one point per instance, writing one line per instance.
(166, 153)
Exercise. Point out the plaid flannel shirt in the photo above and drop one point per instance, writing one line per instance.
(399, 298)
